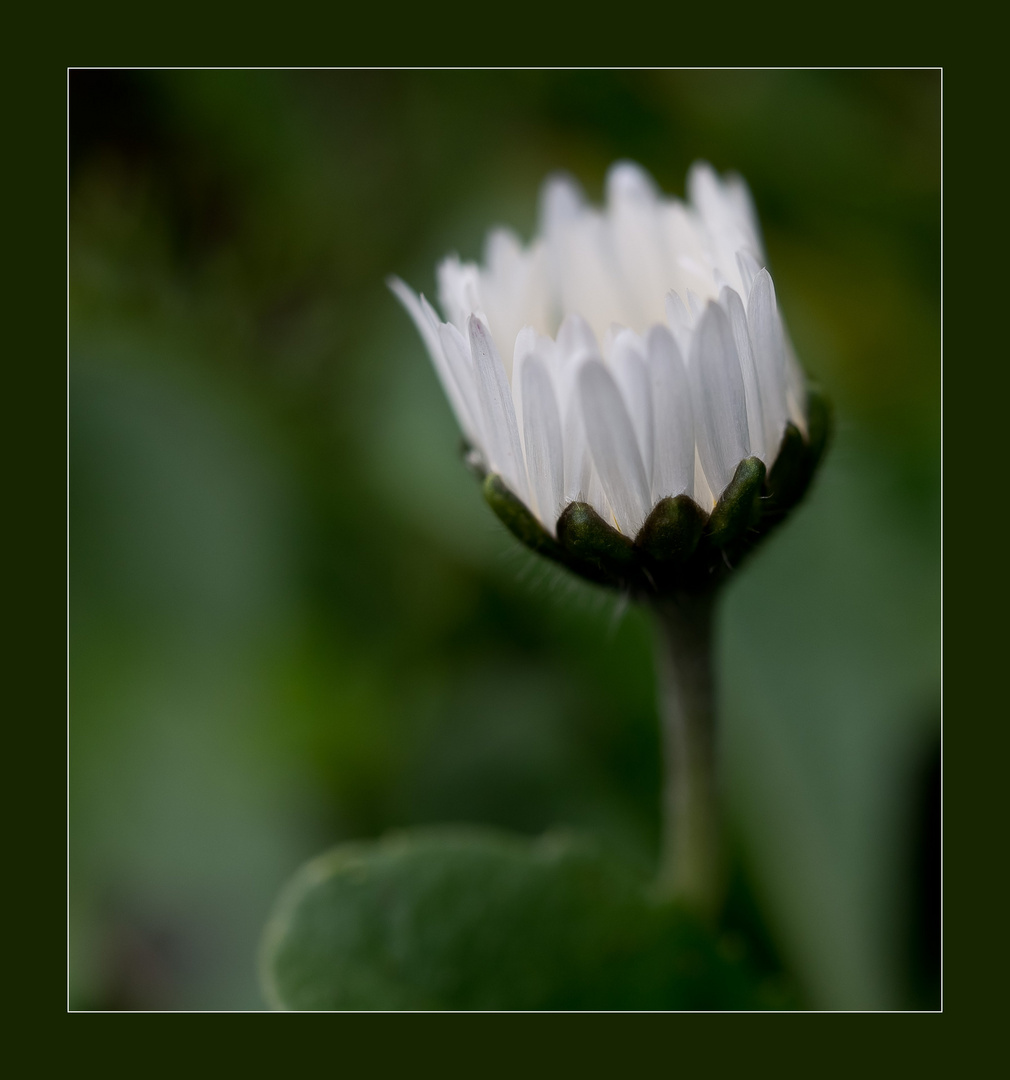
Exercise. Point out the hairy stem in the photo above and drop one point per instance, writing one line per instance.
(691, 866)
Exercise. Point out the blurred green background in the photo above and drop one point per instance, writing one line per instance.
(293, 619)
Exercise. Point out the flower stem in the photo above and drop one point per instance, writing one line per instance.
(690, 866)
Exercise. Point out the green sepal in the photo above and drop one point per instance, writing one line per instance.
(797, 461)
(788, 477)
(671, 532)
(739, 507)
(819, 423)
(591, 542)
(518, 519)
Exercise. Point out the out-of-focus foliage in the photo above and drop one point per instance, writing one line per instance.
(475, 919)
(294, 621)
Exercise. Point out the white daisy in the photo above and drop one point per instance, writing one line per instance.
(624, 357)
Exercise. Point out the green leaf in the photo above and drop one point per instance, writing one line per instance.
(477, 919)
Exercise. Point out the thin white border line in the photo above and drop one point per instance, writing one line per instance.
(67, 493)
(69, 70)
(521, 1012)
(941, 541)
(169, 67)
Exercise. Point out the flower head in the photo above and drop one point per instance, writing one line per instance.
(624, 383)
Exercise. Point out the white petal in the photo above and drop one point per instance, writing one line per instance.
(695, 304)
(434, 320)
(703, 187)
(703, 494)
(504, 448)
(628, 182)
(526, 342)
(575, 335)
(597, 497)
(412, 303)
(457, 353)
(731, 301)
(514, 290)
(739, 196)
(749, 268)
(679, 320)
(687, 248)
(796, 384)
(627, 364)
(585, 276)
(561, 201)
(637, 243)
(708, 197)
(429, 335)
(458, 290)
(718, 398)
(769, 360)
(724, 208)
(614, 447)
(579, 255)
(576, 342)
(547, 352)
(503, 251)
(673, 465)
(543, 443)
(578, 464)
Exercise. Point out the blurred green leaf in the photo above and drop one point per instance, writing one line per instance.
(481, 919)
